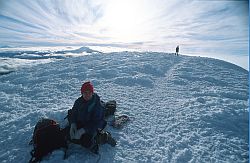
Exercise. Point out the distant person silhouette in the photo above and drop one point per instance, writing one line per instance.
(177, 50)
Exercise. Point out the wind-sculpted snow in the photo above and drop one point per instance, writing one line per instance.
(182, 109)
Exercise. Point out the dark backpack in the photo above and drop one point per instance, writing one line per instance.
(110, 108)
(47, 136)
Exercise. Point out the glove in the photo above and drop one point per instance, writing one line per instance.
(73, 130)
(79, 133)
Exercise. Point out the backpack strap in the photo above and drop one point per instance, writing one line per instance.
(65, 156)
(32, 155)
(33, 158)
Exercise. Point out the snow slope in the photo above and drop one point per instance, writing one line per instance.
(183, 109)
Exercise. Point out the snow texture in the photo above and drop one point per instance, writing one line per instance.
(182, 108)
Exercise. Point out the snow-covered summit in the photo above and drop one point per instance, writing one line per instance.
(182, 109)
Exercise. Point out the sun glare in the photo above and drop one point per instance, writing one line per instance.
(123, 19)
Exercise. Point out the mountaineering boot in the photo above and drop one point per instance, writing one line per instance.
(104, 137)
(110, 139)
(95, 148)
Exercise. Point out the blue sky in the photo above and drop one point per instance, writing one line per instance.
(215, 28)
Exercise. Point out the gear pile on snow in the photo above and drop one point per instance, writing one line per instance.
(48, 136)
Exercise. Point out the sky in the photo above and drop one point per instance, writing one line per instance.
(215, 28)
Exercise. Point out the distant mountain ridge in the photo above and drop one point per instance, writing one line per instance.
(80, 50)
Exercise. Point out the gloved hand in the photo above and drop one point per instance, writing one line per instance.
(79, 133)
(73, 130)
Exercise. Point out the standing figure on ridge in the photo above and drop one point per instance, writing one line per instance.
(177, 50)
